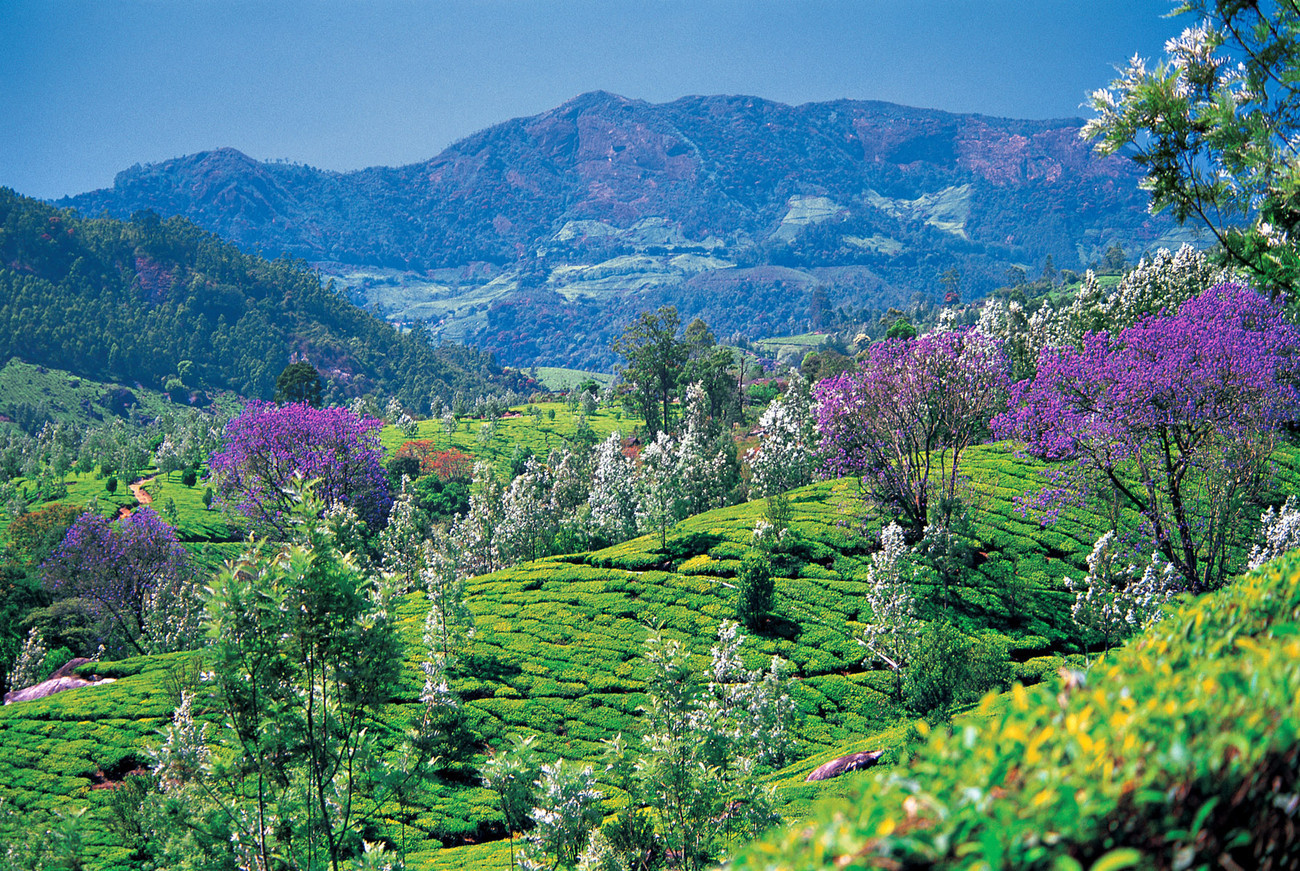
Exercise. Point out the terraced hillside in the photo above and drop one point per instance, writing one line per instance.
(558, 654)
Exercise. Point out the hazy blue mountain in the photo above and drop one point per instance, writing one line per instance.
(540, 236)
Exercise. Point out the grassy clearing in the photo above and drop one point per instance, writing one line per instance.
(559, 378)
(66, 397)
(540, 434)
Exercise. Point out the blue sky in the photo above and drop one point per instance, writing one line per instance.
(89, 87)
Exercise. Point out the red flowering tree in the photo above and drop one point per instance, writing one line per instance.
(451, 464)
(902, 419)
(267, 447)
(1177, 414)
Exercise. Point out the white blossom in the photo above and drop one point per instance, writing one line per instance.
(1279, 532)
(612, 497)
(894, 626)
(784, 459)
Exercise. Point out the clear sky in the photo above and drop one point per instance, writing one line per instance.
(89, 87)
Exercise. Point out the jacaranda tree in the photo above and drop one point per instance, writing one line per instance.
(902, 419)
(267, 446)
(1176, 414)
(135, 575)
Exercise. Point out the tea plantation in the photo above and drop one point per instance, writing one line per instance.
(558, 648)
(1178, 750)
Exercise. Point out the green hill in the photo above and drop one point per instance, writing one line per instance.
(558, 653)
(167, 305)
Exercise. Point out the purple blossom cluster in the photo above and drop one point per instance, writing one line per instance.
(1176, 412)
(267, 447)
(120, 567)
(903, 417)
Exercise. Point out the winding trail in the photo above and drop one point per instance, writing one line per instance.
(141, 495)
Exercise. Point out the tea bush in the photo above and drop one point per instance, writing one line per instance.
(1177, 750)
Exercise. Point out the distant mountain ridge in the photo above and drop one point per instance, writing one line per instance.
(603, 205)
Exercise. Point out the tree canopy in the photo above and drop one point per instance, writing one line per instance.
(1215, 125)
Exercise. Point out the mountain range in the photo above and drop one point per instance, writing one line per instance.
(540, 237)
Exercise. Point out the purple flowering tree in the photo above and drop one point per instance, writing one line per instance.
(134, 573)
(1175, 415)
(268, 446)
(902, 419)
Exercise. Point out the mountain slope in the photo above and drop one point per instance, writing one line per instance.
(605, 205)
(154, 302)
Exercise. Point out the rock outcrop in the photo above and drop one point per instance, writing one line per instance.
(63, 679)
(843, 765)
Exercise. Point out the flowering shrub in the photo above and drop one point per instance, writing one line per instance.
(1177, 414)
(267, 446)
(1113, 601)
(902, 420)
(452, 464)
(894, 627)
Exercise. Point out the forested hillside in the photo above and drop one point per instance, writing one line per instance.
(170, 306)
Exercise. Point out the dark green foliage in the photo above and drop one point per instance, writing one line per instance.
(826, 363)
(654, 358)
(189, 477)
(901, 329)
(948, 669)
(755, 590)
(632, 836)
(110, 485)
(762, 393)
(299, 382)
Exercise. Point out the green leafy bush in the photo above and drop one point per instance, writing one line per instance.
(755, 590)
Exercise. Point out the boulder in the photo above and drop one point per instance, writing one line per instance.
(843, 765)
(61, 680)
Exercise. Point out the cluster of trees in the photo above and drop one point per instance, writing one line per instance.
(576, 498)
(661, 364)
(53, 620)
(1161, 396)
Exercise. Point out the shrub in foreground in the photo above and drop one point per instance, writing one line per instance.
(1180, 750)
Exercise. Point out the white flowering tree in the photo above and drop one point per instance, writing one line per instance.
(704, 743)
(1279, 532)
(703, 464)
(512, 774)
(657, 487)
(528, 522)
(894, 627)
(1113, 601)
(473, 536)
(785, 458)
(28, 667)
(568, 808)
(401, 543)
(450, 624)
(613, 495)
